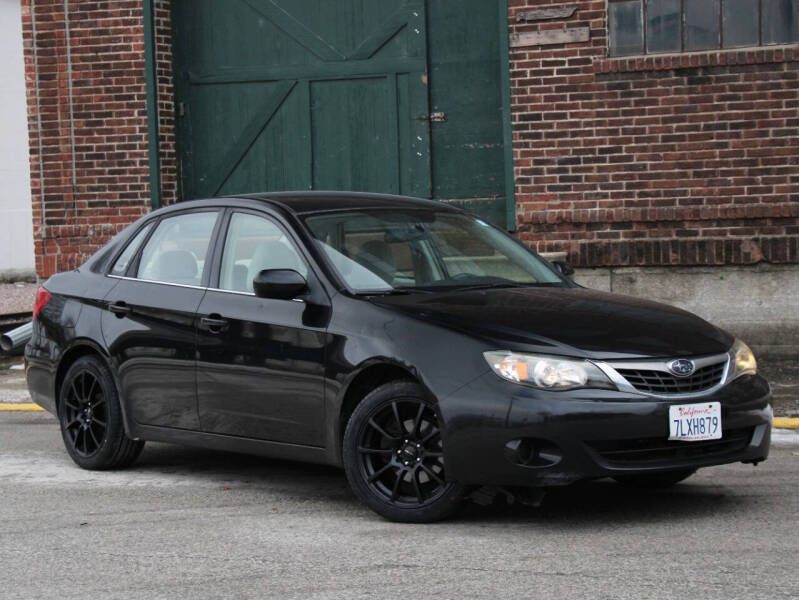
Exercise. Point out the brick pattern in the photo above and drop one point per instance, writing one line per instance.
(669, 160)
(90, 178)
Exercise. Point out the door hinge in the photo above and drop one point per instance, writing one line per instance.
(435, 117)
(181, 109)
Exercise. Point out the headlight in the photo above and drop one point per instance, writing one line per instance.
(745, 363)
(547, 372)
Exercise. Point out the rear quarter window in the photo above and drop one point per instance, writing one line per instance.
(123, 261)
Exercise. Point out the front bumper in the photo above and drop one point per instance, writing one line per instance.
(499, 433)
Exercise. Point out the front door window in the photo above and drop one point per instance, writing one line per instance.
(253, 244)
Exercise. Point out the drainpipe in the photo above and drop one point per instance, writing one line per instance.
(148, 16)
(43, 211)
(68, 46)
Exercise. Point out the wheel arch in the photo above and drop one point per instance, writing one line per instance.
(79, 348)
(442, 496)
(369, 376)
(364, 381)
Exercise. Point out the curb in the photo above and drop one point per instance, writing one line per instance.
(20, 407)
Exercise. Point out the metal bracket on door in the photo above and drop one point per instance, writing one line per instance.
(435, 117)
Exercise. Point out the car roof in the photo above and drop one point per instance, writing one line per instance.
(321, 201)
(305, 202)
(298, 202)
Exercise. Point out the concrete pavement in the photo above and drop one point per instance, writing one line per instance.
(13, 388)
(187, 523)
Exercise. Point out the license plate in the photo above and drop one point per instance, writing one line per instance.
(695, 422)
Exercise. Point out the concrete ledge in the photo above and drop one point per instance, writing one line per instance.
(555, 256)
(756, 303)
(15, 275)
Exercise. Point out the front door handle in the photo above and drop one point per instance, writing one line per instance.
(120, 309)
(214, 323)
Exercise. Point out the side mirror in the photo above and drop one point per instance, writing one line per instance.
(563, 268)
(280, 284)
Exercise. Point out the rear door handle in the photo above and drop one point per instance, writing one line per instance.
(214, 323)
(120, 309)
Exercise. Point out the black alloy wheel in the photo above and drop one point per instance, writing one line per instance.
(86, 410)
(394, 456)
(401, 452)
(91, 418)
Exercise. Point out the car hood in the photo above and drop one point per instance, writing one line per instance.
(566, 321)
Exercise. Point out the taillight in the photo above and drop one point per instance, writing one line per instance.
(42, 298)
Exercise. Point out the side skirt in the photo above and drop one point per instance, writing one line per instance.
(200, 439)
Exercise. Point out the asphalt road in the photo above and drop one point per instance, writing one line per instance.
(187, 523)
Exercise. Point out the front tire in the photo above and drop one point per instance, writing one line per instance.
(393, 456)
(91, 418)
(655, 480)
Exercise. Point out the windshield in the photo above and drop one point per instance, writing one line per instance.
(383, 250)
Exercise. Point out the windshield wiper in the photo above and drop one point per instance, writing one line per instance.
(456, 288)
(395, 292)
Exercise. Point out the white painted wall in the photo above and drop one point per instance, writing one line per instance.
(16, 228)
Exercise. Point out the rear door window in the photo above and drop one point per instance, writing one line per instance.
(177, 250)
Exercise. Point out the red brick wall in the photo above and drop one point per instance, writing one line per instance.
(90, 179)
(687, 160)
(673, 160)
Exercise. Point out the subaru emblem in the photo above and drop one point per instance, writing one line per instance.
(682, 367)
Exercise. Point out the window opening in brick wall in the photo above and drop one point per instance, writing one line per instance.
(669, 26)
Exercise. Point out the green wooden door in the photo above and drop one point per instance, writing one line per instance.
(301, 94)
(465, 58)
(335, 94)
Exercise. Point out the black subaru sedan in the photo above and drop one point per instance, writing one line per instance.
(420, 348)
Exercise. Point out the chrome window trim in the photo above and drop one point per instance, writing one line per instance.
(610, 367)
(183, 285)
(193, 287)
(238, 293)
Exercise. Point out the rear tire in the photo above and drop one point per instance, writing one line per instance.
(91, 418)
(655, 480)
(393, 456)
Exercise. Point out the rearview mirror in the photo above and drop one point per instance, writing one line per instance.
(563, 268)
(280, 284)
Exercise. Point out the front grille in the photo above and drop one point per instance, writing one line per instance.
(661, 382)
(644, 451)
